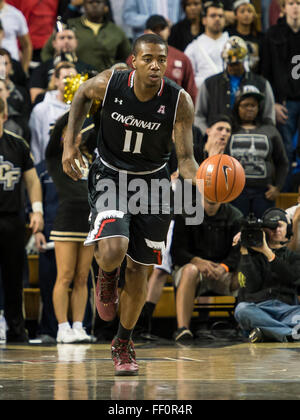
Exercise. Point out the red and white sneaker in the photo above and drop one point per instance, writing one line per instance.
(107, 296)
(124, 358)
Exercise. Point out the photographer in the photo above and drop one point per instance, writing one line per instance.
(269, 273)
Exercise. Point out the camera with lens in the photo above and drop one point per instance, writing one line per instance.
(252, 231)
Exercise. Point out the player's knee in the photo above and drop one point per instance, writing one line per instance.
(111, 252)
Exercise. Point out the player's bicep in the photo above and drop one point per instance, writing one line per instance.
(183, 129)
(95, 88)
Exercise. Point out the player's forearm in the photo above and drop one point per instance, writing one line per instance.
(188, 168)
(78, 112)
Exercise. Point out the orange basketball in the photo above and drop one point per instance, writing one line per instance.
(223, 176)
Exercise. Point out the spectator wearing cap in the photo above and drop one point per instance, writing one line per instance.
(64, 44)
(268, 306)
(137, 12)
(179, 67)
(280, 65)
(189, 28)
(101, 43)
(258, 146)
(205, 51)
(217, 94)
(246, 27)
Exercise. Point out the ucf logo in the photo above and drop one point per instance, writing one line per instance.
(9, 176)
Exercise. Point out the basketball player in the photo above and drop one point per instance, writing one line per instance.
(140, 110)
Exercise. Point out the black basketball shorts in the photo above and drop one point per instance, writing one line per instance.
(131, 206)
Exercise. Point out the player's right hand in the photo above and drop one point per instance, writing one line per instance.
(70, 167)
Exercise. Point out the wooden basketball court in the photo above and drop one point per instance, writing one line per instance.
(218, 371)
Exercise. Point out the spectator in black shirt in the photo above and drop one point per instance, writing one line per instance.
(186, 30)
(19, 97)
(246, 27)
(205, 260)
(280, 65)
(16, 165)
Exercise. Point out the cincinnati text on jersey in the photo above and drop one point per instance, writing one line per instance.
(130, 120)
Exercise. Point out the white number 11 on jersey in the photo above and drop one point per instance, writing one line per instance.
(138, 142)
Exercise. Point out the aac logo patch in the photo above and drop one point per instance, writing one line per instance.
(9, 175)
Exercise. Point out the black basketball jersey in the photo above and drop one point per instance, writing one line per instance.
(137, 136)
(15, 158)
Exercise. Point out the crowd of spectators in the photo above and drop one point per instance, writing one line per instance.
(239, 61)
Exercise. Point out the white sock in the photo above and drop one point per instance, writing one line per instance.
(77, 325)
(64, 326)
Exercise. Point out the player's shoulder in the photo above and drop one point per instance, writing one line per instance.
(15, 138)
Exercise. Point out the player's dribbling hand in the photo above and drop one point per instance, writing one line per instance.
(70, 166)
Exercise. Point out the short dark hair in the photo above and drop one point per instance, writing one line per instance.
(211, 3)
(220, 118)
(147, 39)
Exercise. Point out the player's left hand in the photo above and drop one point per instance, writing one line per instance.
(36, 222)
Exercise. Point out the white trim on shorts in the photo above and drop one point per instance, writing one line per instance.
(114, 168)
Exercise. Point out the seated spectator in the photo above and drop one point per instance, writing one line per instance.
(246, 27)
(65, 44)
(189, 28)
(15, 32)
(205, 51)
(19, 97)
(47, 112)
(294, 215)
(213, 143)
(204, 260)
(101, 43)
(40, 17)
(179, 67)
(136, 13)
(217, 93)
(269, 273)
(15, 122)
(258, 146)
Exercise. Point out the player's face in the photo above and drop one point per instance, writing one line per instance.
(150, 63)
